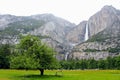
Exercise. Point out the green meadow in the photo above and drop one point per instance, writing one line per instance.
(61, 75)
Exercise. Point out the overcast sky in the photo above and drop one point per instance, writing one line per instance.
(72, 10)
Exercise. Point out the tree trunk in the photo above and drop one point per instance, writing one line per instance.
(41, 72)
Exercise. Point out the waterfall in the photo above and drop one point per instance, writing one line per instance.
(69, 50)
(66, 55)
(86, 32)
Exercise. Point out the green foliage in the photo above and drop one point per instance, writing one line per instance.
(114, 50)
(4, 55)
(100, 37)
(92, 64)
(91, 50)
(111, 50)
(21, 26)
(109, 63)
(68, 64)
(102, 64)
(32, 54)
(117, 62)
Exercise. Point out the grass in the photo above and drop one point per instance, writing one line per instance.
(64, 75)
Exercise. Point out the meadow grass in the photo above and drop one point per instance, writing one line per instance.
(64, 75)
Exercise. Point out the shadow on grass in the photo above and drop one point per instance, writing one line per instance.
(39, 76)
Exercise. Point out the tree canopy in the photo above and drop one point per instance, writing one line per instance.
(31, 53)
(4, 56)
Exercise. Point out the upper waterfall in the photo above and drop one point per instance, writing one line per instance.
(86, 32)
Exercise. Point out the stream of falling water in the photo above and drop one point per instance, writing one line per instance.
(66, 55)
(86, 38)
(86, 32)
(68, 52)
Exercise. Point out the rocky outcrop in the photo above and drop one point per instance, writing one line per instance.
(43, 24)
(106, 17)
(109, 28)
(7, 19)
(104, 33)
(51, 29)
(90, 55)
(77, 34)
(96, 50)
(55, 28)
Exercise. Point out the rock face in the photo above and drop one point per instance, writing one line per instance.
(77, 34)
(7, 19)
(51, 29)
(96, 50)
(109, 26)
(104, 36)
(103, 19)
(103, 32)
(106, 17)
(55, 27)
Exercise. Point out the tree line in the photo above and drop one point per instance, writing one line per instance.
(109, 63)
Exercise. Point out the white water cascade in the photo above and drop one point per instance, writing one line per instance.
(86, 32)
(66, 55)
(69, 50)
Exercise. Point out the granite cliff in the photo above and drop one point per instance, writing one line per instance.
(104, 36)
(68, 39)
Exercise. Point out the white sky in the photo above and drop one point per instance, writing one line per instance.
(72, 10)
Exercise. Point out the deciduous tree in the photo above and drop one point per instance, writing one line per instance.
(31, 53)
